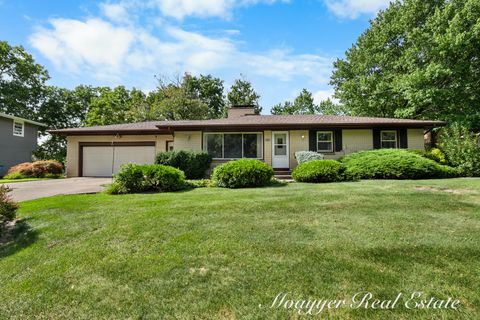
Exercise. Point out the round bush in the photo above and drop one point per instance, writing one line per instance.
(152, 177)
(320, 171)
(194, 164)
(394, 164)
(242, 173)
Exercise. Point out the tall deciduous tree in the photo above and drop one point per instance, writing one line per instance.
(330, 108)
(110, 107)
(418, 59)
(242, 93)
(207, 89)
(303, 104)
(22, 82)
(62, 108)
(175, 103)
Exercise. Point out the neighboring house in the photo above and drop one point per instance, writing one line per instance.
(99, 151)
(18, 139)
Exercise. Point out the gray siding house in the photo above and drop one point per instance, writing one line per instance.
(18, 139)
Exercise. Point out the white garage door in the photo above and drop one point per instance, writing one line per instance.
(103, 161)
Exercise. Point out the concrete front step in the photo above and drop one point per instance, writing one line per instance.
(283, 176)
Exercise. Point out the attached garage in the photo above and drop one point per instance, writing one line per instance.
(105, 159)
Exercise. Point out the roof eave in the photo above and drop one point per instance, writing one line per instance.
(60, 132)
(8, 116)
(230, 127)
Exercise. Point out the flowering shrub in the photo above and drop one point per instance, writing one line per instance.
(37, 169)
(304, 156)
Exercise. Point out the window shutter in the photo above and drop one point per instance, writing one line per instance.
(402, 138)
(312, 140)
(376, 139)
(338, 140)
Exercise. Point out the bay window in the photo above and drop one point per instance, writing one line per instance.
(233, 145)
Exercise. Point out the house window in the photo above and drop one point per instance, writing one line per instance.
(18, 128)
(388, 139)
(169, 145)
(233, 145)
(325, 141)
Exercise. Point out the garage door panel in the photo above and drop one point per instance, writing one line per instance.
(141, 155)
(98, 161)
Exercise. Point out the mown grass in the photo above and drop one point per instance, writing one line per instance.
(213, 253)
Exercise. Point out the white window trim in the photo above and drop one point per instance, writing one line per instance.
(223, 144)
(395, 140)
(331, 140)
(23, 128)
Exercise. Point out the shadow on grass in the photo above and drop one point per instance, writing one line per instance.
(15, 237)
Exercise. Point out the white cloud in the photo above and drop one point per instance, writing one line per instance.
(283, 65)
(72, 45)
(116, 12)
(354, 8)
(322, 95)
(109, 50)
(205, 8)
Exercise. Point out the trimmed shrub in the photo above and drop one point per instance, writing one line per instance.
(304, 156)
(242, 173)
(150, 177)
(129, 178)
(163, 178)
(194, 164)
(320, 171)
(8, 207)
(436, 155)
(37, 169)
(462, 149)
(394, 164)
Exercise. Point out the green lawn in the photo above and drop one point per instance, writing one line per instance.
(215, 253)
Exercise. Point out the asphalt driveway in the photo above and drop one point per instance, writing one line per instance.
(30, 190)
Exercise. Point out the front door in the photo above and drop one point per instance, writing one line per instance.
(280, 149)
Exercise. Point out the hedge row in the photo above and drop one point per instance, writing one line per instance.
(375, 164)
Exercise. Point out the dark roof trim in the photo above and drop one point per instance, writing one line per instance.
(231, 127)
(106, 132)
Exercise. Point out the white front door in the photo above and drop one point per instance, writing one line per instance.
(280, 157)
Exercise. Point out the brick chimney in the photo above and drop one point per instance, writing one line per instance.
(241, 111)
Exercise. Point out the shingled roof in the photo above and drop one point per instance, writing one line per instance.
(252, 122)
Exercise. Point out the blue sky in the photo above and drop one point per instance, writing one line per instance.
(281, 46)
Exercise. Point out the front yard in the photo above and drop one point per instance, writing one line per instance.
(216, 253)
